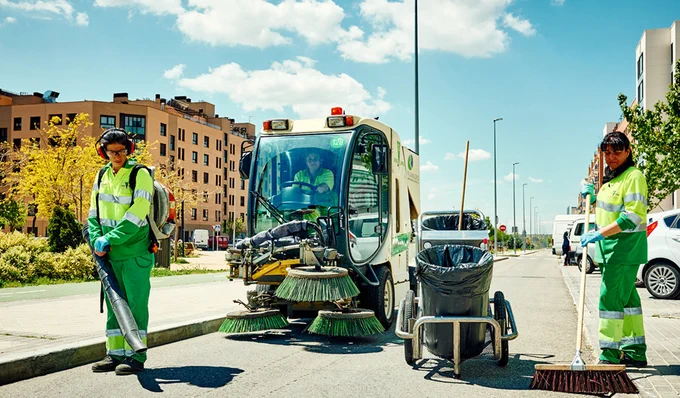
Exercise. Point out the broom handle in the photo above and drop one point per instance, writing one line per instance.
(584, 267)
(462, 199)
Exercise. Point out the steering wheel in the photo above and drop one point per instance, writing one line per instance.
(287, 184)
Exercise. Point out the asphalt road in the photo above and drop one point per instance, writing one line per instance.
(74, 289)
(294, 363)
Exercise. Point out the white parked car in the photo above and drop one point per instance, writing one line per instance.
(575, 242)
(661, 274)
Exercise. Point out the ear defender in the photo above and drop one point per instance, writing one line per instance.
(101, 151)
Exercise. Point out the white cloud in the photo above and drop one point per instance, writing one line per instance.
(557, 2)
(535, 180)
(464, 27)
(46, 9)
(449, 156)
(10, 20)
(175, 72)
(473, 156)
(467, 28)
(510, 176)
(519, 24)
(409, 143)
(291, 83)
(429, 166)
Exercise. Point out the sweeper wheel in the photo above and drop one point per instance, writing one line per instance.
(409, 313)
(501, 316)
(356, 322)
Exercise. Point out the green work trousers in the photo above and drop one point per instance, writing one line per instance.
(621, 324)
(133, 276)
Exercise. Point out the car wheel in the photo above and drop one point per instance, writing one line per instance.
(591, 264)
(663, 280)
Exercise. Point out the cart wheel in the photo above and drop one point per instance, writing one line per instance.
(500, 315)
(409, 313)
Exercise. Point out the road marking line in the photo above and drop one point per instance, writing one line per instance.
(31, 291)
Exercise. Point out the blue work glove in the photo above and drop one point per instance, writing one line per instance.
(591, 237)
(101, 244)
(588, 189)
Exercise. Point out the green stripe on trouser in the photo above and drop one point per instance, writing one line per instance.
(621, 324)
(133, 276)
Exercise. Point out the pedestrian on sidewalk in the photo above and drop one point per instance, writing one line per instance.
(621, 213)
(119, 229)
(566, 247)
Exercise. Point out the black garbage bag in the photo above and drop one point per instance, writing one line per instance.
(450, 223)
(454, 281)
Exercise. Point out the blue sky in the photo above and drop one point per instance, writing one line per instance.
(552, 69)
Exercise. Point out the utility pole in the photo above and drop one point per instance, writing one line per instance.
(514, 217)
(531, 210)
(524, 220)
(495, 192)
(417, 121)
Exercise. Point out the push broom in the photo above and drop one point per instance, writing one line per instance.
(579, 377)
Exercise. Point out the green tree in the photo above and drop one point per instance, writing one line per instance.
(12, 214)
(64, 230)
(656, 140)
(228, 227)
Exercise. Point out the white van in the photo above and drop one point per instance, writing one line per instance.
(201, 238)
(562, 224)
(575, 242)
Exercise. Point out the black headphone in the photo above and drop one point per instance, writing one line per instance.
(129, 144)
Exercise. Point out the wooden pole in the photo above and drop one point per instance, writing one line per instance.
(462, 199)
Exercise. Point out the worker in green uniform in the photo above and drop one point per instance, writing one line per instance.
(120, 230)
(621, 247)
(322, 179)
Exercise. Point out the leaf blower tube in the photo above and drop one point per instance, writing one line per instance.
(283, 230)
(120, 307)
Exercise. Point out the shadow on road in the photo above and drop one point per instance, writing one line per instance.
(295, 335)
(199, 376)
(484, 371)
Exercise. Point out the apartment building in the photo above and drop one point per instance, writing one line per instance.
(203, 146)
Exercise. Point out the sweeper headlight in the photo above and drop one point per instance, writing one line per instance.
(277, 124)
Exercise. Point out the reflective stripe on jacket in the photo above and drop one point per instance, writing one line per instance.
(623, 200)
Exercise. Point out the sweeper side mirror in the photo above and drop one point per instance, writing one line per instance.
(379, 159)
(244, 164)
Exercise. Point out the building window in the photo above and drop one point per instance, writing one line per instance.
(35, 123)
(70, 117)
(53, 116)
(217, 198)
(164, 129)
(206, 141)
(17, 124)
(135, 125)
(206, 160)
(206, 178)
(205, 214)
(218, 144)
(243, 201)
(172, 142)
(231, 200)
(232, 183)
(3, 134)
(193, 214)
(194, 157)
(641, 91)
(17, 143)
(243, 184)
(194, 176)
(194, 138)
(218, 164)
(107, 122)
(640, 65)
(172, 162)
(163, 149)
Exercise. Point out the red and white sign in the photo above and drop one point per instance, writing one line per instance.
(502, 228)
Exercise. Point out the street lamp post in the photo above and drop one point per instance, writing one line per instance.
(417, 113)
(495, 192)
(524, 220)
(514, 217)
(531, 209)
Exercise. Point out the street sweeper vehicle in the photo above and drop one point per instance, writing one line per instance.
(330, 209)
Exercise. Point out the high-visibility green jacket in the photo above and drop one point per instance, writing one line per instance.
(623, 200)
(324, 176)
(124, 226)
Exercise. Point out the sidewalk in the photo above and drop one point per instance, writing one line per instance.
(662, 330)
(41, 336)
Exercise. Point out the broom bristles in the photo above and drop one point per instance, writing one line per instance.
(357, 327)
(584, 381)
(295, 288)
(247, 325)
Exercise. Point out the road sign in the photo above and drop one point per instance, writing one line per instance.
(502, 228)
(217, 228)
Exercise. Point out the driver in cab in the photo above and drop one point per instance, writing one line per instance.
(315, 175)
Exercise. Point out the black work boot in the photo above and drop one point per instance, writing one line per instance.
(108, 364)
(632, 363)
(129, 366)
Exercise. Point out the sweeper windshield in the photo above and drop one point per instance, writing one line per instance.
(297, 177)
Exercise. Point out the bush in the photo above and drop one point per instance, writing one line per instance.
(74, 263)
(64, 230)
(15, 265)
